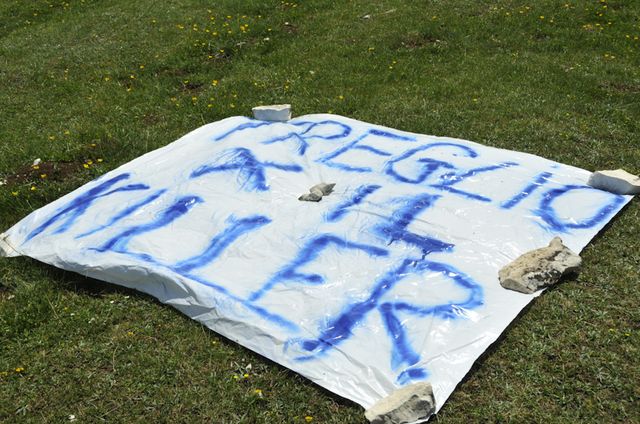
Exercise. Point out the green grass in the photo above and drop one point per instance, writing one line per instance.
(84, 80)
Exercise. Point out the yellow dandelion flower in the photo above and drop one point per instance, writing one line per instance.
(85, 166)
(19, 369)
(15, 193)
(33, 188)
(99, 160)
(43, 176)
(308, 418)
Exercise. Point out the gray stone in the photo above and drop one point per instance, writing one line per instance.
(410, 404)
(311, 197)
(317, 191)
(539, 268)
(324, 188)
(277, 113)
(616, 181)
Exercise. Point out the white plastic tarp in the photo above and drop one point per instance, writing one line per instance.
(391, 279)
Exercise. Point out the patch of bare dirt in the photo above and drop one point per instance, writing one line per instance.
(52, 171)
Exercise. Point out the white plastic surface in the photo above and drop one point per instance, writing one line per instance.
(389, 280)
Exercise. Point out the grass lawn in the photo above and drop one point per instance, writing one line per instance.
(87, 85)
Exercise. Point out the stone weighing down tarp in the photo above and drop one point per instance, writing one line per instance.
(390, 280)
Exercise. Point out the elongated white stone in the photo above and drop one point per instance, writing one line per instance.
(616, 181)
(278, 113)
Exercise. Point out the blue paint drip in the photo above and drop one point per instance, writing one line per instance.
(396, 228)
(251, 172)
(361, 193)
(548, 214)
(451, 178)
(340, 329)
(124, 213)
(308, 254)
(248, 125)
(78, 206)
(539, 181)
(180, 207)
(431, 164)
(220, 242)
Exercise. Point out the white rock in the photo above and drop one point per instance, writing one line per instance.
(410, 404)
(616, 181)
(279, 113)
(36, 162)
(324, 188)
(539, 268)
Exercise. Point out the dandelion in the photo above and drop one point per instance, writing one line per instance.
(67, 132)
(246, 375)
(85, 166)
(15, 193)
(19, 370)
(33, 188)
(107, 79)
(43, 176)
(214, 82)
(35, 167)
(52, 137)
(541, 17)
(141, 66)
(99, 160)
(130, 333)
(308, 418)
(341, 97)
(258, 392)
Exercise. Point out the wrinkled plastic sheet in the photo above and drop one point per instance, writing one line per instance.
(390, 280)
